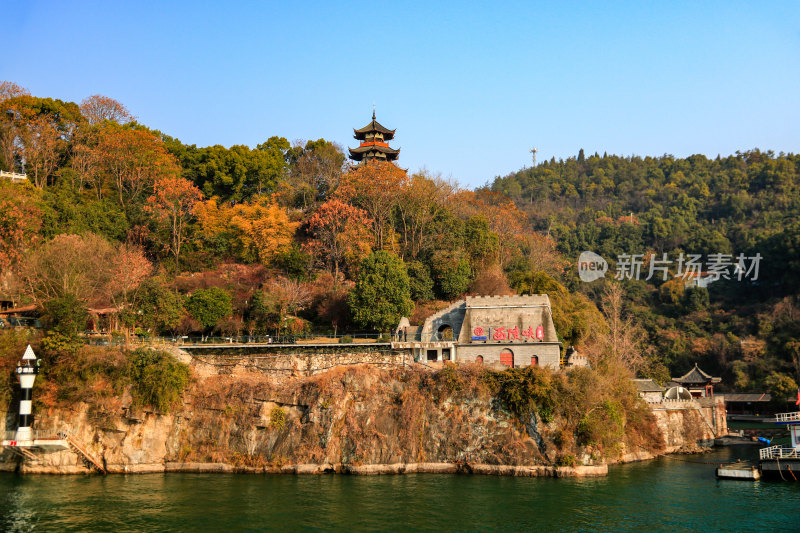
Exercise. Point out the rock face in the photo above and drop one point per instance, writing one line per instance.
(361, 420)
(690, 425)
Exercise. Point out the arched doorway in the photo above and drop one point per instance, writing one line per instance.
(479, 359)
(535, 360)
(445, 332)
(507, 358)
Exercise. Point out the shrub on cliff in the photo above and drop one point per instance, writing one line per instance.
(71, 372)
(156, 378)
(525, 390)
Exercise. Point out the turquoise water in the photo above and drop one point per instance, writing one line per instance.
(668, 494)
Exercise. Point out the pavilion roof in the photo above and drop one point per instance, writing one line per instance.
(696, 375)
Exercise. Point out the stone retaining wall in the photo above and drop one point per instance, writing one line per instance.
(284, 363)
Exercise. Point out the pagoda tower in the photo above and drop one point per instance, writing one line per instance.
(374, 145)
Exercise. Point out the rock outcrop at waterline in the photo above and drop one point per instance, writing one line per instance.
(362, 420)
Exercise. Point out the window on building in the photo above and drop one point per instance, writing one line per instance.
(479, 359)
(535, 360)
(445, 354)
(507, 358)
(433, 355)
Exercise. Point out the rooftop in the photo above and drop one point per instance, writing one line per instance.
(374, 126)
(648, 385)
(697, 376)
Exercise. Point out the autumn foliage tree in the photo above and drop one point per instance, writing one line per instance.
(132, 160)
(8, 133)
(315, 172)
(20, 220)
(172, 205)
(97, 109)
(258, 230)
(69, 264)
(36, 131)
(129, 268)
(263, 230)
(377, 188)
(43, 147)
(341, 234)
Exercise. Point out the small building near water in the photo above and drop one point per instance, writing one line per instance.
(649, 390)
(749, 406)
(501, 331)
(700, 384)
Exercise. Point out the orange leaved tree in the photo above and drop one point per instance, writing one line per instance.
(172, 204)
(376, 187)
(133, 160)
(341, 234)
(98, 108)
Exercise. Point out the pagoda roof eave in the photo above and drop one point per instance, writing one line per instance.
(374, 148)
(373, 126)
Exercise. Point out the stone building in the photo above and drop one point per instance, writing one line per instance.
(649, 390)
(503, 331)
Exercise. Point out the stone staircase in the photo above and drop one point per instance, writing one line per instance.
(87, 458)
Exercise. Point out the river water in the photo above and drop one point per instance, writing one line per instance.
(677, 493)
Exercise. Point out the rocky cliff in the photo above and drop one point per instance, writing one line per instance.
(358, 419)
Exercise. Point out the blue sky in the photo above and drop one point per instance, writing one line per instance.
(470, 87)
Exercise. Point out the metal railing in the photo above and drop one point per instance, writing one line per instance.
(778, 452)
(38, 434)
(19, 322)
(13, 176)
(319, 338)
(788, 417)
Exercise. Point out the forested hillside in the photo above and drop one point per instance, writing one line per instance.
(130, 230)
(179, 239)
(748, 203)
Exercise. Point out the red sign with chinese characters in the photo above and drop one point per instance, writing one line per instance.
(509, 334)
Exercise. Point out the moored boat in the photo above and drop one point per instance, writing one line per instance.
(780, 461)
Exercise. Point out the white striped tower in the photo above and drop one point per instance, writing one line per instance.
(26, 371)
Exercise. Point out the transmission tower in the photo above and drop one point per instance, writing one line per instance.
(533, 152)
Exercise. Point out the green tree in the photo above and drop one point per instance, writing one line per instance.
(263, 313)
(382, 294)
(295, 263)
(160, 309)
(65, 314)
(421, 283)
(781, 387)
(209, 306)
(696, 299)
(451, 274)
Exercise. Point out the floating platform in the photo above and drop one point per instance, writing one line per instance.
(743, 471)
(737, 440)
